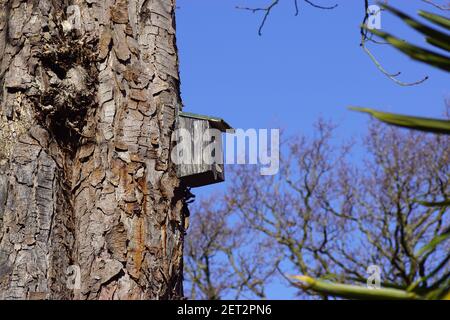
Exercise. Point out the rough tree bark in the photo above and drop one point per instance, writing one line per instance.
(87, 108)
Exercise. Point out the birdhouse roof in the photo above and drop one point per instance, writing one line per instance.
(215, 122)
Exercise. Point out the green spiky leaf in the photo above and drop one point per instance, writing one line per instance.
(417, 123)
(354, 291)
(433, 36)
(417, 53)
(436, 19)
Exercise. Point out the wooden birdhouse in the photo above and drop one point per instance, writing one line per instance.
(199, 155)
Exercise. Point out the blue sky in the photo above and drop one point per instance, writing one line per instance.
(302, 66)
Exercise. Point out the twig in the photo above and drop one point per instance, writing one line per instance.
(320, 7)
(267, 10)
(439, 6)
(365, 38)
(392, 76)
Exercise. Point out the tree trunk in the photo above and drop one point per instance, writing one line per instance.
(88, 96)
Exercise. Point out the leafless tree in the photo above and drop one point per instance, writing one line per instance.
(223, 258)
(334, 210)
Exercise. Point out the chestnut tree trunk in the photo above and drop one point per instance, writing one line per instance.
(90, 205)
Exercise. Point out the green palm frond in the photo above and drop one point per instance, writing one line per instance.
(436, 19)
(433, 36)
(353, 291)
(359, 292)
(410, 122)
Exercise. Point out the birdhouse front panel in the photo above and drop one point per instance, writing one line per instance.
(202, 151)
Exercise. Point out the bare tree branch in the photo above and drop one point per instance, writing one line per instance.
(325, 217)
(366, 36)
(439, 6)
(267, 10)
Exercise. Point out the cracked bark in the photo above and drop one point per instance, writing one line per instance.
(86, 117)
